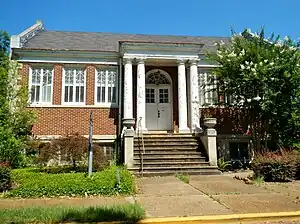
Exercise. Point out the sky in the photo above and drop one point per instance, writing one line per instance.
(171, 17)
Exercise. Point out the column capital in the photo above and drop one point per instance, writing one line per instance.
(180, 61)
(140, 60)
(193, 62)
(127, 60)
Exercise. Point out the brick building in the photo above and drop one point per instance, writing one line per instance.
(156, 81)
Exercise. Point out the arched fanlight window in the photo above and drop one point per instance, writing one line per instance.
(157, 77)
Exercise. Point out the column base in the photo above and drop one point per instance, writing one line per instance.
(184, 130)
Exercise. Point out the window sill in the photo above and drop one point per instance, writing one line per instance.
(40, 105)
(107, 105)
(71, 106)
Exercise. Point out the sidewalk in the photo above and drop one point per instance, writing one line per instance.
(204, 195)
(214, 195)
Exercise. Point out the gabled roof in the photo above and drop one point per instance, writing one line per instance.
(93, 41)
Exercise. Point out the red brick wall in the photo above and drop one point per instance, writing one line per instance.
(67, 120)
(90, 85)
(228, 120)
(63, 121)
(57, 84)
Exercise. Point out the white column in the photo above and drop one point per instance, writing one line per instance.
(141, 96)
(194, 98)
(128, 103)
(182, 99)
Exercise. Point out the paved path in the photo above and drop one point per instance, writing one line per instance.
(214, 195)
(167, 196)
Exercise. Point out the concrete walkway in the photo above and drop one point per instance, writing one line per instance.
(214, 195)
(167, 196)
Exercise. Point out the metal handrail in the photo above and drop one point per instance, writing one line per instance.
(140, 134)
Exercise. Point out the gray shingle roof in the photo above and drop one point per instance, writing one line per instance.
(91, 41)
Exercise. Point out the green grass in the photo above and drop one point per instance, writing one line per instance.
(258, 180)
(183, 177)
(129, 213)
(30, 182)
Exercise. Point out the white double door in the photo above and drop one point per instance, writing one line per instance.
(158, 107)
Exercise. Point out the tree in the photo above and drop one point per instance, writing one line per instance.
(15, 119)
(262, 78)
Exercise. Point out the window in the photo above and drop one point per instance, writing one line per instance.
(106, 86)
(208, 94)
(163, 96)
(150, 95)
(74, 85)
(41, 80)
(239, 150)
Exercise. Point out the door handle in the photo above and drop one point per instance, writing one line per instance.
(158, 114)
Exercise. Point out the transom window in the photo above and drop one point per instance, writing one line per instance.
(74, 85)
(157, 78)
(106, 86)
(41, 85)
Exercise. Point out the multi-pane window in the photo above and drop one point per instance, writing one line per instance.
(208, 94)
(163, 96)
(41, 85)
(106, 86)
(150, 95)
(74, 85)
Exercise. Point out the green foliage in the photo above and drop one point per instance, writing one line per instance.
(183, 177)
(10, 147)
(31, 182)
(223, 165)
(5, 177)
(262, 76)
(258, 180)
(276, 166)
(129, 213)
(15, 120)
(71, 150)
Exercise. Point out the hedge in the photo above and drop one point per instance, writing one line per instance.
(31, 182)
(279, 166)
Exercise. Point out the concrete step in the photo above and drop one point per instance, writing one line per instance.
(166, 139)
(169, 163)
(166, 152)
(171, 160)
(170, 157)
(162, 171)
(167, 145)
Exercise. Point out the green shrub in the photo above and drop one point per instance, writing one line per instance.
(71, 150)
(5, 177)
(223, 165)
(10, 148)
(31, 182)
(276, 166)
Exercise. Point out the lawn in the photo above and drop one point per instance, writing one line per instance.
(31, 182)
(129, 213)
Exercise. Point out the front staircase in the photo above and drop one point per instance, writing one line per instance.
(168, 154)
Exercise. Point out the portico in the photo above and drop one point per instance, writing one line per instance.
(155, 95)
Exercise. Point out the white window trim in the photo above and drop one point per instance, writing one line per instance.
(106, 104)
(203, 98)
(30, 85)
(63, 89)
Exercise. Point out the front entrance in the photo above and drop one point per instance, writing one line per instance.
(158, 100)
